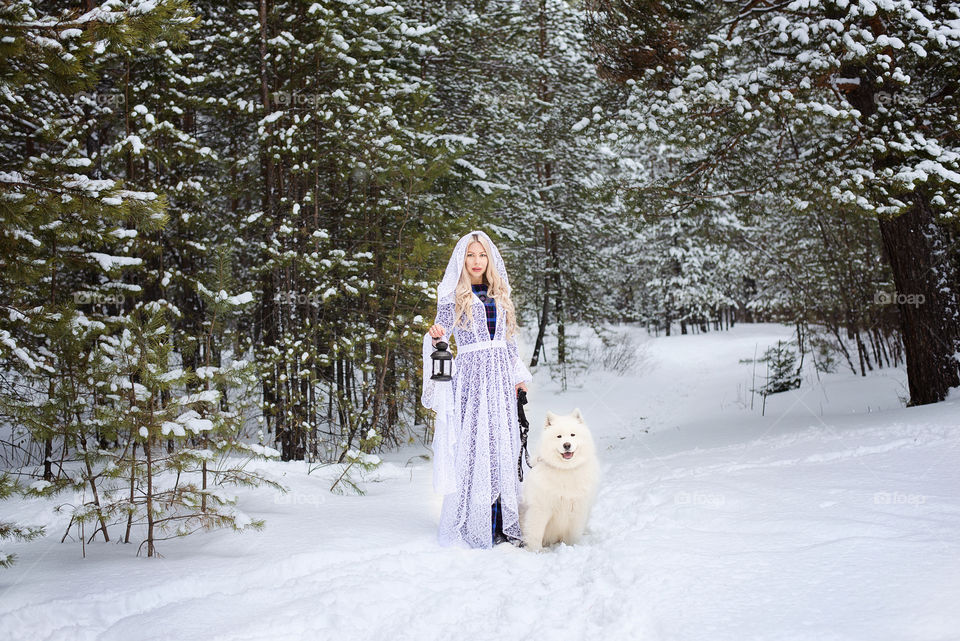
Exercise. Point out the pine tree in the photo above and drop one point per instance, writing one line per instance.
(91, 377)
(10, 530)
(783, 374)
(513, 77)
(343, 165)
(169, 476)
(847, 104)
(64, 241)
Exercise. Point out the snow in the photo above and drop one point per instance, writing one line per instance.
(193, 422)
(145, 6)
(39, 486)
(239, 299)
(137, 195)
(224, 296)
(206, 396)
(263, 450)
(241, 520)
(206, 372)
(11, 177)
(170, 426)
(417, 31)
(172, 375)
(479, 173)
(135, 143)
(271, 117)
(108, 262)
(8, 341)
(338, 40)
(833, 516)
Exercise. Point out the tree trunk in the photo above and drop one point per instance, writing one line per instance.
(48, 459)
(150, 525)
(558, 302)
(133, 485)
(926, 297)
(862, 354)
(542, 329)
(545, 180)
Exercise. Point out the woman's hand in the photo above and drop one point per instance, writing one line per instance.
(521, 386)
(436, 331)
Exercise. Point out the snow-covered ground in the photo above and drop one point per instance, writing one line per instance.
(834, 516)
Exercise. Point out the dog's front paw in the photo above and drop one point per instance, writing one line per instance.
(533, 546)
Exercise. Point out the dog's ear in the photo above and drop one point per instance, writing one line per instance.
(577, 415)
(551, 417)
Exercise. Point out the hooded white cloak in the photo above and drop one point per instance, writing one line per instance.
(476, 440)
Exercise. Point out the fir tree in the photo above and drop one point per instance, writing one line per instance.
(848, 104)
(783, 374)
(10, 530)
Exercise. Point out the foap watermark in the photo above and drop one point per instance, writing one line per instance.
(298, 298)
(103, 99)
(286, 99)
(898, 498)
(514, 101)
(699, 498)
(889, 298)
(95, 298)
(886, 98)
(298, 498)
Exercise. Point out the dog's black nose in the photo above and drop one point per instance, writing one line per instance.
(566, 446)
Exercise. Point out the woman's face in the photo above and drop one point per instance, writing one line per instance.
(476, 262)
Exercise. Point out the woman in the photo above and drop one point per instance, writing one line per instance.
(476, 440)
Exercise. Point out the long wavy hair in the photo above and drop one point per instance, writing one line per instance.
(496, 289)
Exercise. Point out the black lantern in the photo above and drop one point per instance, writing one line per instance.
(440, 357)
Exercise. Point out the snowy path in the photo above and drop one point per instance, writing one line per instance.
(716, 524)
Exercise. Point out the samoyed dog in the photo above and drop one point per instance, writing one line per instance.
(560, 488)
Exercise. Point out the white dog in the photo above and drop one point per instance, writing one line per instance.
(559, 490)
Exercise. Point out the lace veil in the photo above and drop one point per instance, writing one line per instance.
(446, 291)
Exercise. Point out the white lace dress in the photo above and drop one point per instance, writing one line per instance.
(477, 439)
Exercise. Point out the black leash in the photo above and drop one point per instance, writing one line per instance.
(524, 430)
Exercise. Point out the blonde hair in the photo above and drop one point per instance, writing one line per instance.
(496, 289)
